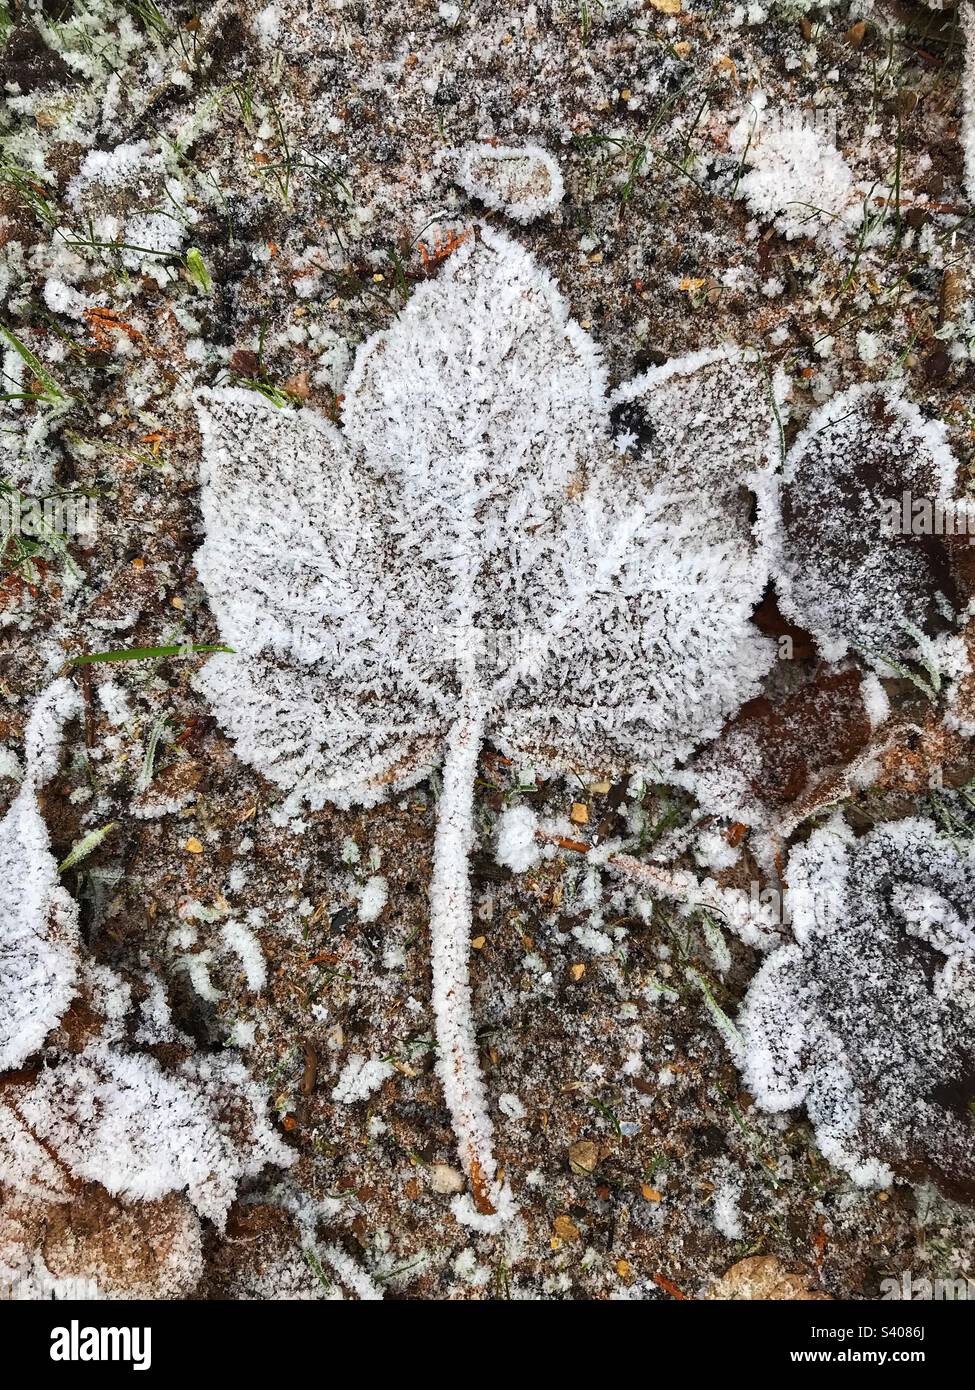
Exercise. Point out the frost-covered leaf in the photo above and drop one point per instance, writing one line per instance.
(38, 919)
(293, 565)
(262, 1259)
(121, 1121)
(471, 557)
(867, 1017)
(644, 612)
(95, 1246)
(774, 753)
(846, 570)
(269, 1255)
(702, 424)
(26, 1165)
(523, 181)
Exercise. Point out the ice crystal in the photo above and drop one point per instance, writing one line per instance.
(793, 174)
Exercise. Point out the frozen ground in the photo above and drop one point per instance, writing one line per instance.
(216, 1023)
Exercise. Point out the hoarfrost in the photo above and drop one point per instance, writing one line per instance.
(866, 1017)
(523, 181)
(794, 175)
(39, 924)
(120, 1120)
(848, 569)
(517, 848)
(471, 557)
(359, 1078)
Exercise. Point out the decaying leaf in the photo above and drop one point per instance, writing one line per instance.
(523, 181)
(764, 1277)
(118, 1119)
(262, 1258)
(866, 1017)
(856, 563)
(774, 753)
(95, 1246)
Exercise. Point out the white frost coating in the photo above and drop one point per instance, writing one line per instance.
(867, 1017)
(122, 1121)
(487, 1223)
(360, 1077)
(197, 966)
(523, 181)
(113, 169)
(967, 16)
(241, 940)
(372, 899)
(607, 626)
(39, 919)
(727, 1217)
(794, 175)
(843, 567)
(25, 1164)
(517, 849)
(450, 915)
(350, 1274)
(714, 852)
(10, 765)
(875, 700)
(115, 702)
(472, 557)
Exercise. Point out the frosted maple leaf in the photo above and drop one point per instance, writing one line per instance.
(866, 1017)
(470, 557)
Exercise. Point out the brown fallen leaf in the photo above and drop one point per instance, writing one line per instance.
(583, 1157)
(124, 1249)
(773, 756)
(765, 1278)
(566, 1229)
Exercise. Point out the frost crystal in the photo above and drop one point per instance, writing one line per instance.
(858, 564)
(523, 181)
(867, 1017)
(472, 558)
(517, 848)
(39, 922)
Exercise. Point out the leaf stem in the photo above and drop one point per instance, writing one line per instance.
(450, 921)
